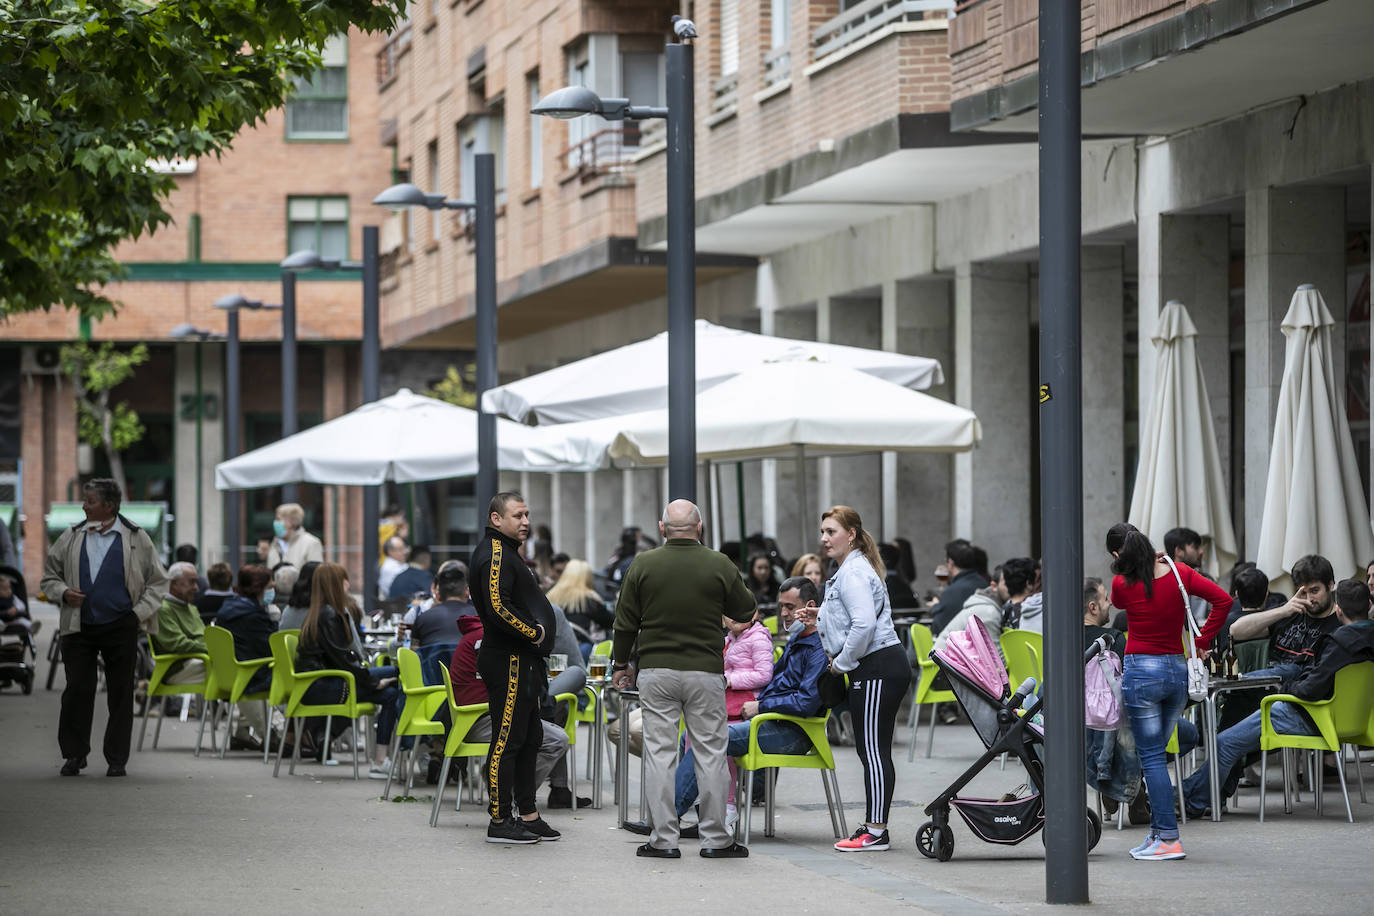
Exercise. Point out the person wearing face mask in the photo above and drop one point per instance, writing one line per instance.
(246, 615)
(105, 576)
(291, 543)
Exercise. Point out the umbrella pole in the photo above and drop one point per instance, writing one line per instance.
(802, 499)
(739, 496)
(708, 508)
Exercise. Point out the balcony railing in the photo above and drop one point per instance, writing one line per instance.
(857, 23)
(777, 66)
(603, 153)
(725, 94)
(390, 55)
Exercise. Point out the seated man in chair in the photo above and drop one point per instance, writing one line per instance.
(792, 690)
(1349, 644)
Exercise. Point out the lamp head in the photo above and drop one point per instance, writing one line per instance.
(568, 103)
(188, 331)
(237, 301)
(400, 196)
(307, 259)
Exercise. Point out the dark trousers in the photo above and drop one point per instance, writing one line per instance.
(117, 644)
(876, 689)
(514, 684)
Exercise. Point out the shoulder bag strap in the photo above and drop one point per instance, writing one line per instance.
(1191, 630)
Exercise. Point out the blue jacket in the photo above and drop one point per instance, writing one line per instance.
(793, 689)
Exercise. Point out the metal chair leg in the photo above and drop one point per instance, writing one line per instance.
(1264, 781)
(281, 745)
(1314, 780)
(157, 730)
(266, 731)
(915, 725)
(147, 708)
(296, 748)
(357, 736)
(1178, 776)
(839, 803)
(830, 804)
(1359, 771)
(744, 815)
(200, 735)
(228, 729)
(439, 792)
(1340, 770)
(393, 754)
(1288, 788)
(930, 736)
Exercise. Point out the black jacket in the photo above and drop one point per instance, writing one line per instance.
(952, 599)
(332, 647)
(252, 630)
(1347, 645)
(508, 599)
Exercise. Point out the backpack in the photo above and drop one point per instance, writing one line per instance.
(1102, 690)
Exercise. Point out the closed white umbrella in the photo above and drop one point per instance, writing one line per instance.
(635, 377)
(1314, 500)
(405, 438)
(1178, 482)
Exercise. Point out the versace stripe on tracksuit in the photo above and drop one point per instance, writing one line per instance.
(510, 661)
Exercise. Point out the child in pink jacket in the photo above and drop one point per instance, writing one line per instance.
(748, 668)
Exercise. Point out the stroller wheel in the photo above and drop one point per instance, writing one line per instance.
(1094, 829)
(28, 682)
(935, 841)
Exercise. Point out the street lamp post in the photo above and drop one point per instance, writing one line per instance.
(231, 305)
(191, 332)
(290, 493)
(371, 362)
(401, 196)
(577, 101)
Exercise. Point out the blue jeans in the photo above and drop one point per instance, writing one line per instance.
(1155, 690)
(1237, 741)
(388, 700)
(775, 737)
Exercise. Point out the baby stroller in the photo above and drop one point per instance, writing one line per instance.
(17, 652)
(978, 678)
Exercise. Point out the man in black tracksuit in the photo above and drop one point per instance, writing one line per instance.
(518, 625)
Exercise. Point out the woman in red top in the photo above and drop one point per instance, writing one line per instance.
(1154, 680)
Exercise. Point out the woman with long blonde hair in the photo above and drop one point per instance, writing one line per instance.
(855, 621)
(327, 640)
(812, 567)
(575, 592)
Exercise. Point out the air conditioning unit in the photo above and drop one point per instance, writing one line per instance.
(40, 360)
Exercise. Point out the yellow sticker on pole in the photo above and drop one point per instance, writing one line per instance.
(1045, 393)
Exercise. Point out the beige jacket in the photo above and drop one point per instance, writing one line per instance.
(144, 576)
(303, 548)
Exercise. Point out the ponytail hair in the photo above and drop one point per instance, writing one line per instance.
(849, 520)
(1135, 555)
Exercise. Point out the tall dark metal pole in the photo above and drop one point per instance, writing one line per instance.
(232, 535)
(1061, 451)
(290, 493)
(372, 354)
(682, 303)
(486, 483)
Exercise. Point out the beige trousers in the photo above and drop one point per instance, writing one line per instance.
(698, 699)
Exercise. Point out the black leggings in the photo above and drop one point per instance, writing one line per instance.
(876, 689)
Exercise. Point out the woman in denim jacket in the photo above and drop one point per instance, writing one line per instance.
(856, 628)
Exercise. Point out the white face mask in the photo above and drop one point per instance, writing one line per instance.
(268, 596)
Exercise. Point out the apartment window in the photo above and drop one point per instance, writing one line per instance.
(483, 134)
(536, 150)
(318, 109)
(579, 129)
(435, 215)
(780, 24)
(729, 37)
(318, 223)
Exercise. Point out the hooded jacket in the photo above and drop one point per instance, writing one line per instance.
(462, 668)
(508, 599)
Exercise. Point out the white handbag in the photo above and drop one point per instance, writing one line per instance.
(1198, 678)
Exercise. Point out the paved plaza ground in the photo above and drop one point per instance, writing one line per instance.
(182, 834)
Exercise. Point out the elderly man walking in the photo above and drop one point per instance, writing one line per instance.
(106, 577)
(672, 600)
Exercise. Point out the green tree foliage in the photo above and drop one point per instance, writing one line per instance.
(96, 371)
(92, 90)
(457, 387)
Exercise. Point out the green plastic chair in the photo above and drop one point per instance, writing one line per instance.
(1343, 718)
(1023, 651)
(227, 682)
(924, 694)
(1252, 655)
(462, 719)
(297, 708)
(772, 624)
(777, 653)
(820, 757)
(570, 729)
(417, 715)
(283, 677)
(156, 688)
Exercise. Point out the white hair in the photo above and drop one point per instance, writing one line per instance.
(177, 570)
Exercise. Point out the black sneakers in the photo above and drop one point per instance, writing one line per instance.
(562, 797)
(511, 831)
(540, 828)
(73, 766)
(733, 851)
(653, 852)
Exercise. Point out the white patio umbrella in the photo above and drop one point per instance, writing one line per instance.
(1314, 500)
(405, 438)
(635, 377)
(1178, 480)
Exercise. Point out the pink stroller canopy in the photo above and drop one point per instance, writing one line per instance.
(972, 653)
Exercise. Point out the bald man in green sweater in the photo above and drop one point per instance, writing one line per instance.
(672, 601)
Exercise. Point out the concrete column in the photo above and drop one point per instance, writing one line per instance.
(1104, 391)
(925, 482)
(536, 490)
(198, 503)
(992, 373)
(854, 481)
(48, 450)
(603, 512)
(1292, 236)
